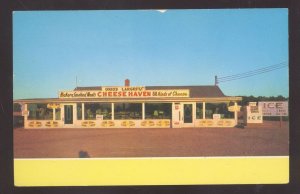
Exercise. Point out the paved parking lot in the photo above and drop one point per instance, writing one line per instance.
(267, 140)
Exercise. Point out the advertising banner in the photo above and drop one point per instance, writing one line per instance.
(126, 92)
(274, 108)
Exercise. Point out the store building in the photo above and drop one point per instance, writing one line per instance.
(133, 106)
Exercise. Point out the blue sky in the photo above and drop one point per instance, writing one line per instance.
(177, 47)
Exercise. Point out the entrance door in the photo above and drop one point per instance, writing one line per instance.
(68, 114)
(188, 120)
(187, 113)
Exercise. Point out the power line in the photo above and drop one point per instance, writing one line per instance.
(257, 71)
(250, 73)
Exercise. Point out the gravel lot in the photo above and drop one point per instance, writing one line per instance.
(253, 140)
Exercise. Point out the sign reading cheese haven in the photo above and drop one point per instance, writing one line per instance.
(119, 93)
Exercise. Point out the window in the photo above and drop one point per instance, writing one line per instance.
(128, 111)
(94, 110)
(158, 110)
(39, 112)
(57, 114)
(217, 108)
(199, 110)
(17, 107)
(79, 111)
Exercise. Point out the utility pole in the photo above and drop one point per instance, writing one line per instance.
(216, 80)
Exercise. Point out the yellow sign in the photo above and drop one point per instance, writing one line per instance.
(125, 94)
(52, 105)
(234, 108)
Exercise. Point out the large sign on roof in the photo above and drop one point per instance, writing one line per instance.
(124, 92)
(274, 108)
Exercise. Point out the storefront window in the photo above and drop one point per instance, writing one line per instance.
(217, 108)
(199, 110)
(128, 111)
(57, 114)
(158, 110)
(39, 112)
(79, 111)
(93, 111)
(17, 107)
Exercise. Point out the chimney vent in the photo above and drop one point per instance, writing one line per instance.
(127, 82)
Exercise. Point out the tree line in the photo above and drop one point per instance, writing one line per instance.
(246, 99)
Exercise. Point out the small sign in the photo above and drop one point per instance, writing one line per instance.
(252, 103)
(25, 113)
(53, 105)
(234, 108)
(254, 114)
(99, 117)
(216, 116)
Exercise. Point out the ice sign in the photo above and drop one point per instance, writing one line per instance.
(274, 108)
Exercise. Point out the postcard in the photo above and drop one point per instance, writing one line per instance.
(151, 97)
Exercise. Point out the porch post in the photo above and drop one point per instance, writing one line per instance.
(143, 111)
(203, 110)
(82, 112)
(235, 113)
(112, 111)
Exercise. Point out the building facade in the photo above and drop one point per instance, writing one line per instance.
(133, 107)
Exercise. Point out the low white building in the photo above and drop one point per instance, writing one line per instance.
(133, 106)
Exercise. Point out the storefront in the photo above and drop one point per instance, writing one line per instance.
(133, 106)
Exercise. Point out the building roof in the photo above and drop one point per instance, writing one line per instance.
(195, 91)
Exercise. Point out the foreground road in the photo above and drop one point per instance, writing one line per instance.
(270, 140)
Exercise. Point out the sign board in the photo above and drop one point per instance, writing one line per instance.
(252, 103)
(254, 114)
(99, 117)
(126, 92)
(234, 108)
(53, 105)
(216, 116)
(274, 108)
(25, 113)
